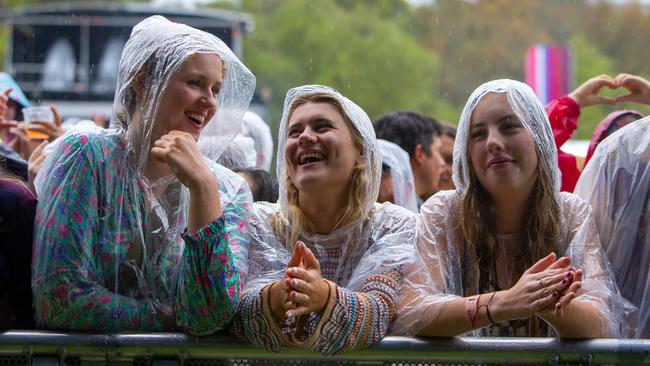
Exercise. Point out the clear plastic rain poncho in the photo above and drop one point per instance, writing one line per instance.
(439, 242)
(109, 242)
(616, 182)
(401, 174)
(254, 127)
(374, 246)
(239, 154)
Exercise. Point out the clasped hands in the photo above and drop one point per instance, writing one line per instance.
(545, 289)
(302, 290)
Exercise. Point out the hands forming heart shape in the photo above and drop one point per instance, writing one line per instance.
(588, 93)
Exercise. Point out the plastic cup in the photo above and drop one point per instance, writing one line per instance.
(38, 114)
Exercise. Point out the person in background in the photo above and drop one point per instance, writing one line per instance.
(564, 112)
(17, 209)
(239, 153)
(263, 185)
(419, 136)
(15, 101)
(616, 183)
(447, 138)
(610, 124)
(396, 177)
(254, 127)
(12, 101)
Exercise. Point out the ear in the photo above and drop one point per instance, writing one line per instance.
(138, 82)
(418, 155)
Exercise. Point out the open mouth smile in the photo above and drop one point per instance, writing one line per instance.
(196, 119)
(310, 157)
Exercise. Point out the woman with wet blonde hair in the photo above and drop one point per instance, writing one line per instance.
(326, 260)
(127, 216)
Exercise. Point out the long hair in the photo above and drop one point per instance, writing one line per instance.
(297, 220)
(540, 233)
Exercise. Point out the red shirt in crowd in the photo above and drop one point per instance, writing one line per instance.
(563, 114)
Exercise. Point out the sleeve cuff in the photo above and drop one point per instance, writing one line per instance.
(571, 105)
(215, 228)
(327, 313)
(268, 314)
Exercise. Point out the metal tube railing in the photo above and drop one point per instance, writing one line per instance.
(44, 347)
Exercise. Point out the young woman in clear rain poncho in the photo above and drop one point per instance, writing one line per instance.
(502, 233)
(126, 216)
(397, 185)
(616, 183)
(326, 261)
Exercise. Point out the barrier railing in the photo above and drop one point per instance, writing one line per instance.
(52, 348)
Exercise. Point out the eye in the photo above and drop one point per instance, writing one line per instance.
(477, 134)
(510, 125)
(216, 91)
(294, 132)
(322, 126)
(194, 82)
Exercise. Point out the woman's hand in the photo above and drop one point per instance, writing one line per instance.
(21, 143)
(52, 131)
(5, 125)
(566, 296)
(587, 93)
(639, 88)
(280, 292)
(181, 153)
(307, 288)
(538, 288)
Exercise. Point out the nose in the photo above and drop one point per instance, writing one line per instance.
(494, 141)
(208, 100)
(306, 138)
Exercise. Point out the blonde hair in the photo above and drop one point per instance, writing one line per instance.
(296, 219)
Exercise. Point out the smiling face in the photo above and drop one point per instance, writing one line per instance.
(190, 99)
(501, 151)
(320, 151)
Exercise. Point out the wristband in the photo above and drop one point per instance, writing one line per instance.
(471, 309)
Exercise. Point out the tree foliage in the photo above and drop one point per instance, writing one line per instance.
(388, 55)
(376, 63)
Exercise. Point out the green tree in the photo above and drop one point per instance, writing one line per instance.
(590, 61)
(376, 63)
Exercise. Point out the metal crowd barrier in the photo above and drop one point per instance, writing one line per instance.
(53, 348)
